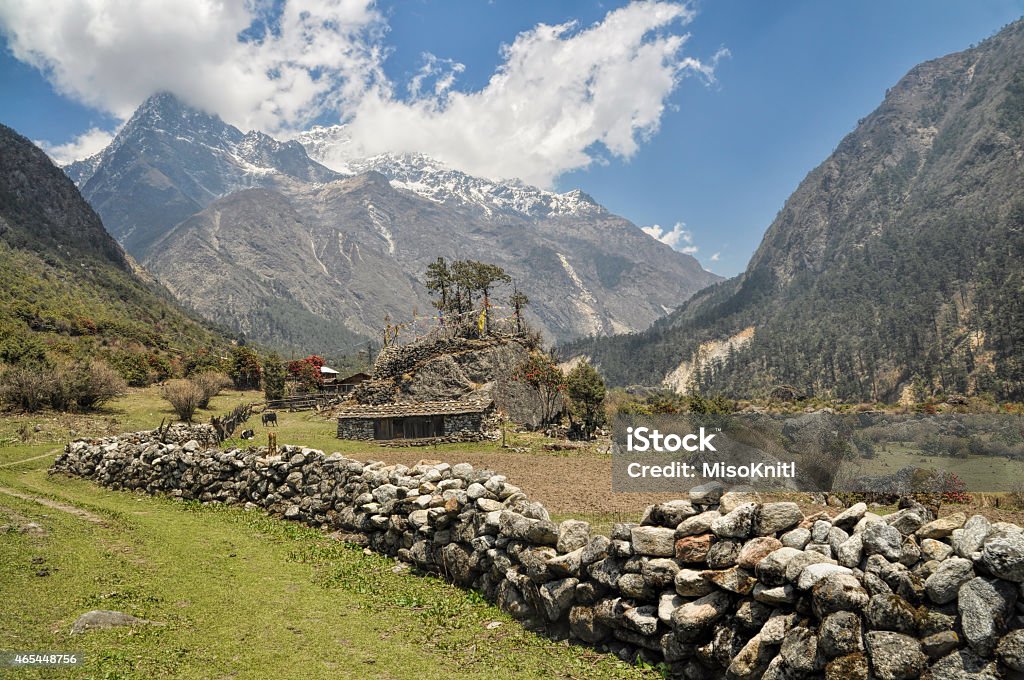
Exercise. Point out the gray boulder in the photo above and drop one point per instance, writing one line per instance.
(985, 606)
(775, 517)
(884, 540)
(895, 656)
(1004, 557)
(840, 634)
(944, 583)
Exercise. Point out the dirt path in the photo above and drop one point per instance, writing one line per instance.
(56, 505)
(29, 460)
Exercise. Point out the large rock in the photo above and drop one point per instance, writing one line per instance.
(813, 573)
(849, 667)
(752, 660)
(969, 539)
(654, 541)
(944, 583)
(849, 552)
(772, 569)
(838, 592)
(1004, 557)
(668, 514)
(739, 523)
(755, 550)
(775, 517)
(964, 664)
(849, 517)
(797, 538)
(102, 619)
(840, 634)
(643, 620)
(734, 499)
(691, 583)
(800, 562)
(695, 618)
(659, 573)
(891, 612)
(584, 625)
(557, 597)
(895, 656)
(573, 534)
(932, 549)
(884, 540)
(942, 527)
(707, 494)
(799, 651)
(698, 524)
(906, 521)
(693, 549)
(985, 606)
(1010, 650)
(735, 580)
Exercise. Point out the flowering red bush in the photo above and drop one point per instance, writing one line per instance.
(307, 371)
(954, 489)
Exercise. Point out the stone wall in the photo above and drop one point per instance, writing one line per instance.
(359, 429)
(719, 585)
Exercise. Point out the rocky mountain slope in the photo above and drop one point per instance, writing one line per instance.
(66, 287)
(895, 266)
(254, 234)
(171, 160)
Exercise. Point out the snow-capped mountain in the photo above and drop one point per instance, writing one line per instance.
(170, 161)
(333, 147)
(254, 234)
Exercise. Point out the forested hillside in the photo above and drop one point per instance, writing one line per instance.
(897, 264)
(67, 290)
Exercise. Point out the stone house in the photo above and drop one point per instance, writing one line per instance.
(447, 420)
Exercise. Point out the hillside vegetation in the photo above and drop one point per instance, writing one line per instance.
(68, 293)
(897, 264)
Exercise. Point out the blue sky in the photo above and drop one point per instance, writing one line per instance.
(726, 153)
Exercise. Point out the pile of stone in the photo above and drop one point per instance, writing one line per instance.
(717, 585)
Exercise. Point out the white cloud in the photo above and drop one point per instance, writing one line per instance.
(112, 54)
(563, 95)
(678, 237)
(560, 91)
(716, 257)
(84, 145)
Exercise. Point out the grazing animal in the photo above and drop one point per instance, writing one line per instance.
(248, 434)
(269, 417)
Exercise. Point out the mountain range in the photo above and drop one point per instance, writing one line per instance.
(896, 268)
(256, 235)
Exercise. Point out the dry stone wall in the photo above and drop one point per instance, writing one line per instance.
(718, 585)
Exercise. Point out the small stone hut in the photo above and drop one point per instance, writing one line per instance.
(448, 420)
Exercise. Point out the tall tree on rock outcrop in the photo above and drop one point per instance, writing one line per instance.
(441, 282)
(485, 277)
(517, 301)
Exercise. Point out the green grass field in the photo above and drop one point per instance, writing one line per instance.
(238, 594)
(980, 473)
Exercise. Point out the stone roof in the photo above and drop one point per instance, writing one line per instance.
(412, 408)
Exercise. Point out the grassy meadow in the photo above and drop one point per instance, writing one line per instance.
(234, 594)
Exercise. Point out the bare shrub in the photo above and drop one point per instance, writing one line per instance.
(98, 384)
(184, 397)
(210, 384)
(25, 388)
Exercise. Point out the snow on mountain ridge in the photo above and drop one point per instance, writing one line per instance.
(432, 179)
